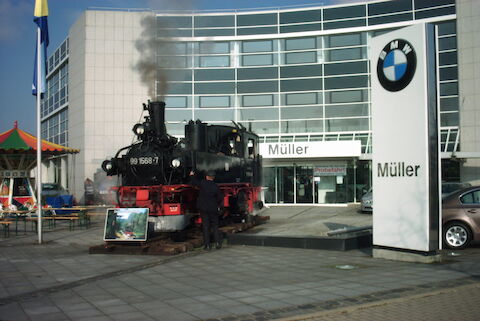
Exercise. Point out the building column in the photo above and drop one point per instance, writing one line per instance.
(64, 172)
(468, 40)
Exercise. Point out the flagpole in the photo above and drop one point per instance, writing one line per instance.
(39, 137)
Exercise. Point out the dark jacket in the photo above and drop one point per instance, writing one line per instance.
(210, 197)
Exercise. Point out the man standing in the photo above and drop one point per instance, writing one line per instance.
(209, 202)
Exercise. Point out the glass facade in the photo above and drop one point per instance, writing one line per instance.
(290, 75)
(289, 84)
(54, 104)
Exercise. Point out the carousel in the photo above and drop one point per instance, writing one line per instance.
(18, 156)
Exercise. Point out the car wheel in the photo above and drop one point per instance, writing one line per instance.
(456, 235)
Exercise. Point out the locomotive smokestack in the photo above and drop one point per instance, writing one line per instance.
(157, 116)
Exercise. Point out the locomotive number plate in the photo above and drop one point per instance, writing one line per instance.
(144, 160)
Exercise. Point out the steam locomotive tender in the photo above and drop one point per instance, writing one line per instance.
(155, 170)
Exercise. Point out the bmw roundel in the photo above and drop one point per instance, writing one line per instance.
(396, 65)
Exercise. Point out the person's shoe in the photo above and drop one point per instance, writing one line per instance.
(218, 245)
(206, 247)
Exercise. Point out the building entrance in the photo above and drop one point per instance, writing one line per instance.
(333, 182)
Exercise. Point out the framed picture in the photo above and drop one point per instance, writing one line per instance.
(126, 224)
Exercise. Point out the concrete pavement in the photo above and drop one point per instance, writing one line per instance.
(59, 280)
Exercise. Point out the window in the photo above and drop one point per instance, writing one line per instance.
(257, 100)
(300, 43)
(257, 19)
(300, 28)
(259, 114)
(300, 16)
(300, 57)
(390, 18)
(346, 82)
(344, 24)
(346, 110)
(447, 43)
(448, 58)
(214, 32)
(344, 12)
(214, 114)
(214, 61)
(449, 89)
(345, 54)
(301, 99)
(301, 84)
(257, 46)
(301, 71)
(448, 73)
(257, 86)
(176, 102)
(302, 126)
(178, 114)
(214, 101)
(345, 40)
(214, 47)
(214, 21)
(257, 73)
(174, 22)
(389, 7)
(302, 112)
(346, 125)
(435, 12)
(357, 67)
(471, 198)
(346, 96)
(215, 88)
(214, 74)
(257, 60)
(256, 31)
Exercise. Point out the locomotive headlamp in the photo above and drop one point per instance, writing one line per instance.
(139, 129)
(176, 163)
(108, 166)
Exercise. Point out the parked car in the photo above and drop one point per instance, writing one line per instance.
(447, 189)
(450, 187)
(366, 204)
(52, 190)
(461, 217)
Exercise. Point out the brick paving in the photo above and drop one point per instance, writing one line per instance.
(59, 280)
(456, 303)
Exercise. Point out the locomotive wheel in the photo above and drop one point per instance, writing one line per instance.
(242, 203)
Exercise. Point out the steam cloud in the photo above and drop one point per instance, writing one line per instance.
(157, 52)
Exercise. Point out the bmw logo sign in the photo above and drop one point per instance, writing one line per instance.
(396, 65)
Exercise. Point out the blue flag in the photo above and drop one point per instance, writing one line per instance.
(40, 18)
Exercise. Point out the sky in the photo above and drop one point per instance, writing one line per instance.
(18, 36)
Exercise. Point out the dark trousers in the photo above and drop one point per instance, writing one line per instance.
(210, 220)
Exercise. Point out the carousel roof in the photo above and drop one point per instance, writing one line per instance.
(17, 141)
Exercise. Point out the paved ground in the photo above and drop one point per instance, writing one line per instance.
(312, 220)
(59, 280)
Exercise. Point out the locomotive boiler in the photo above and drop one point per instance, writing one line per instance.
(155, 170)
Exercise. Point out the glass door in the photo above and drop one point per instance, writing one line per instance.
(285, 184)
(304, 184)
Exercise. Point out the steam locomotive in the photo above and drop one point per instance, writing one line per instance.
(155, 170)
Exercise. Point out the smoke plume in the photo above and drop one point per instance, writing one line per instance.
(157, 50)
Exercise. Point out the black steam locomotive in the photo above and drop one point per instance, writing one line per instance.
(155, 170)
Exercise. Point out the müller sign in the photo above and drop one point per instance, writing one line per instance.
(311, 149)
(397, 169)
